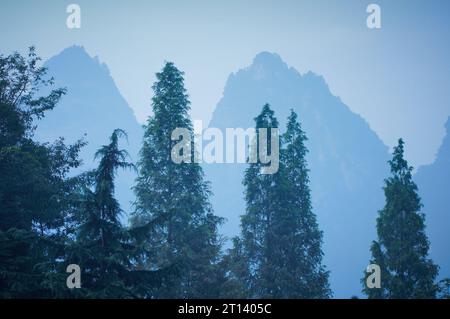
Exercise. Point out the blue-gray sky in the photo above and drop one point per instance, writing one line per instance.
(397, 78)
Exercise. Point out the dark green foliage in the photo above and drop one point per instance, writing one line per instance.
(104, 249)
(300, 239)
(281, 242)
(402, 247)
(177, 196)
(235, 280)
(100, 246)
(257, 235)
(444, 289)
(49, 219)
(34, 187)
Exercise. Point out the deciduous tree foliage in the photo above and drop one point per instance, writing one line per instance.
(34, 187)
(49, 220)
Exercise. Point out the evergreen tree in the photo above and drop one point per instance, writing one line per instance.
(257, 236)
(280, 236)
(234, 273)
(100, 242)
(177, 196)
(299, 238)
(105, 250)
(402, 247)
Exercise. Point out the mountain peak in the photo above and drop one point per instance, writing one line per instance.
(93, 107)
(74, 51)
(266, 65)
(77, 61)
(268, 60)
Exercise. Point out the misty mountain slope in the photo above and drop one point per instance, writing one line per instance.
(92, 106)
(347, 161)
(434, 187)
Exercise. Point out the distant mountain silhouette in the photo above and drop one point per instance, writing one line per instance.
(92, 106)
(434, 186)
(347, 161)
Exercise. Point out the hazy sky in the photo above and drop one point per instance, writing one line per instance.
(397, 78)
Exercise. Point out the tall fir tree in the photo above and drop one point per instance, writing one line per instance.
(235, 281)
(299, 239)
(257, 237)
(176, 195)
(280, 236)
(401, 251)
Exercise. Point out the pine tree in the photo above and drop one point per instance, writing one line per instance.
(280, 236)
(177, 196)
(401, 251)
(299, 237)
(257, 235)
(234, 280)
